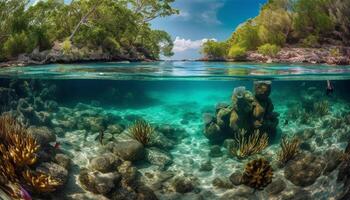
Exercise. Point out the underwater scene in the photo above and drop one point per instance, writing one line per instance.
(175, 130)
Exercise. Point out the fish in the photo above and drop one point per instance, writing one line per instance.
(100, 136)
(286, 122)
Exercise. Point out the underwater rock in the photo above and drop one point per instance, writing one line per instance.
(229, 143)
(221, 183)
(183, 185)
(42, 135)
(54, 170)
(304, 169)
(145, 193)
(129, 174)
(158, 157)
(262, 89)
(236, 178)
(333, 159)
(206, 166)
(276, 187)
(161, 141)
(105, 163)
(208, 118)
(123, 194)
(115, 129)
(63, 160)
(98, 182)
(173, 133)
(215, 151)
(130, 150)
(213, 132)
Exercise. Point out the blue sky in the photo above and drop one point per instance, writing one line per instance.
(204, 19)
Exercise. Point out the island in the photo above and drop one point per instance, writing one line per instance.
(288, 31)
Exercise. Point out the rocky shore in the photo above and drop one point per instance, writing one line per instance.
(326, 55)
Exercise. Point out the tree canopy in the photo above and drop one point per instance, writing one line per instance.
(118, 27)
(305, 23)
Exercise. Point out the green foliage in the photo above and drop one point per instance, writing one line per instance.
(310, 41)
(119, 28)
(335, 52)
(214, 50)
(237, 52)
(269, 49)
(66, 46)
(246, 36)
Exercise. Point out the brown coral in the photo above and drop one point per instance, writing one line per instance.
(257, 174)
(141, 131)
(249, 145)
(17, 153)
(289, 149)
(40, 182)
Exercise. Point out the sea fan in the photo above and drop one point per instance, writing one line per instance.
(141, 131)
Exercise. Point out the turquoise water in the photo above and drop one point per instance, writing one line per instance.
(70, 105)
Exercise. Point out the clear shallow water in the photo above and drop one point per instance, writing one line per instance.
(74, 101)
(179, 70)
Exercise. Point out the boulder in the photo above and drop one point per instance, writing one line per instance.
(158, 157)
(276, 187)
(105, 163)
(304, 169)
(130, 150)
(183, 185)
(63, 160)
(43, 135)
(98, 182)
(54, 170)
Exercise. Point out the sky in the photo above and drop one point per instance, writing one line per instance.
(200, 20)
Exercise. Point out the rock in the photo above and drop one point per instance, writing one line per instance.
(129, 173)
(98, 182)
(131, 150)
(183, 185)
(215, 151)
(304, 169)
(63, 160)
(115, 129)
(54, 170)
(208, 118)
(158, 157)
(213, 132)
(206, 166)
(229, 143)
(306, 146)
(333, 159)
(220, 183)
(220, 106)
(42, 135)
(297, 194)
(105, 163)
(276, 187)
(145, 193)
(161, 141)
(235, 178)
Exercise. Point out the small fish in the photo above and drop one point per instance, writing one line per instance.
(286, 122)
(100, 136)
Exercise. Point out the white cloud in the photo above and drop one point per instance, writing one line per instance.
(182, 44)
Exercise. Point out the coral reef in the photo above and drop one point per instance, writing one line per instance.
(18, 153)
(247, 146)
(289, 149)
(248, 111)
(141, 131)
(257, 174)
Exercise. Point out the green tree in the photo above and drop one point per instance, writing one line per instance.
(215, 50)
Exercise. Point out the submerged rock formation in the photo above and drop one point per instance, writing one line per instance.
(248, 111)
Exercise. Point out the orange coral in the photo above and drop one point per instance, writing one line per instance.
(141, 131)
(257, 174)
(40, 182)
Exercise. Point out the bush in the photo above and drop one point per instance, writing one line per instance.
(237, 52)
(310, 41)
(214, 50)
(66, 46)
(269, 49)
(16, 44)
(335, 52)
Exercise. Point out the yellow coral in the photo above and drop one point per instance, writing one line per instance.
(289, 148)
(141, 131)
(40, 182)
(257, 174)
(246, 146)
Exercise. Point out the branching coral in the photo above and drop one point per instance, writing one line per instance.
(141, 131)
(257, 174)
(40, 182)
(17, 153)
(289, 148)
(249, 145)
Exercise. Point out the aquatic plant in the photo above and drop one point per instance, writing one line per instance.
(17, 153)
(249, 145)
(257, 174)
(321, 108)
(40, 182)
(289, 149)
(141, 131)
